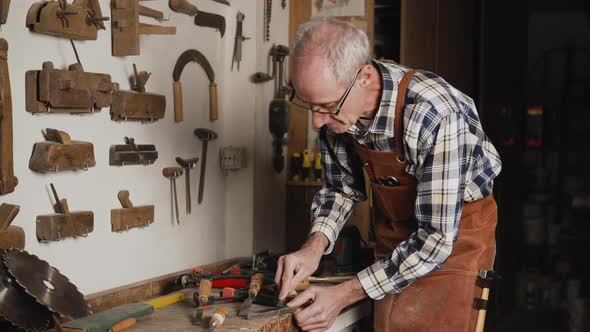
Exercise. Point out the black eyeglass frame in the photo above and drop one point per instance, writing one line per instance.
(340, 104)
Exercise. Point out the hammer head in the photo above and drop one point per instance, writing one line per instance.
(205, 134)
(187, 163)
(172, 172)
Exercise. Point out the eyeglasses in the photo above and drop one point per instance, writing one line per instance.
(297, 102)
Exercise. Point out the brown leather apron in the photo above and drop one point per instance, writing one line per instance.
(442, 300)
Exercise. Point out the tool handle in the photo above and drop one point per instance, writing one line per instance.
(7, 214)
(124, 199)
(218, 317)
(256, 284)
(204, 291)
(177, 101)
(172, 172)
(63, 204)
(213, 107)
(123, 325)
(182, 6)
(481, 314)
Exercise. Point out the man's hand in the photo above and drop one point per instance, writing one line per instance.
(327, 302)
(292, 269)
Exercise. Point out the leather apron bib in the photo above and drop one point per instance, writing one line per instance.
(442, 300)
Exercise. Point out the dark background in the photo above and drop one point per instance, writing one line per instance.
(531, 77)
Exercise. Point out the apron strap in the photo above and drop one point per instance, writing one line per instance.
(399, 114)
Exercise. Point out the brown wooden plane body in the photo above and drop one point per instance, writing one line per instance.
(67, 91)
(137, 106)
(57, 226)
(59, 153)
(79, 20)
(126, 218)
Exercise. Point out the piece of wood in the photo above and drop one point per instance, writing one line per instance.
(68, 91)
(137, 105)
(12, 237)
(4, 7)
(58, 226)
(178, 115)
(50, 156)
(126, 27)
(213, 109)
(7, 214)
(72, 22)
(8, 181)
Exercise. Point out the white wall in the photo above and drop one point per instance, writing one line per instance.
(223, 225)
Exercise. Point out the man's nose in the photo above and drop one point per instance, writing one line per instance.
(318, 120)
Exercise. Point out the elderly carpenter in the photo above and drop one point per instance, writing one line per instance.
(431, 169)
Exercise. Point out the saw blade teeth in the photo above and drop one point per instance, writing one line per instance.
(42, 286)
(29, 315)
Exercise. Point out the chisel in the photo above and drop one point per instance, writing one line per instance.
(255, 285)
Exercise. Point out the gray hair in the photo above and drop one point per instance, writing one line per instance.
(346, 48)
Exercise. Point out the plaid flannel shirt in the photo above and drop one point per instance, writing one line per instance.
(448, 153)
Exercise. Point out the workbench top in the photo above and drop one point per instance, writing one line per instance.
(177, 318)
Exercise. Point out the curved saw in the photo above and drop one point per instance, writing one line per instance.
(185, 58)
(46, 284)
(18, 309)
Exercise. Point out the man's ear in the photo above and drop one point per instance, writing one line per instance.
(366, 75)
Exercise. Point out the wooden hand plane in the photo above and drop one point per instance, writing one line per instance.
(4, 7)
(132, 154)
(80, 20)
(60, 153)
(137, 105)
(130, 216)
(67, 91)
(63, 223)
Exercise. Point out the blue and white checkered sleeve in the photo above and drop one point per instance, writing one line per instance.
(441, 176)
(333, 204)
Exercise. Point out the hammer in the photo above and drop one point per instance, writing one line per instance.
(484, 281)
(205, 135)
(187, 164)
(172, 173)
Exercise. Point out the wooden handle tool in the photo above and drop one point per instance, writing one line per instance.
(213, 108)
(204, 291)
(177, 86)
(123, 325)
(123, 197)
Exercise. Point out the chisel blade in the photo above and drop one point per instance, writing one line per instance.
(245, 307)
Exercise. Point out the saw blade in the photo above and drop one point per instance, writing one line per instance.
(18, 308)
(46, 284)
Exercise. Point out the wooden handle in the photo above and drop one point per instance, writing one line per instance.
(214, 113)
(172, 172)
(125, 324)
(256, 284)
(481, 314)
(7, 214)
(65, 209)
(218, 317)
(58, 136)
(205, 291)
(177, 101)
(124, 199)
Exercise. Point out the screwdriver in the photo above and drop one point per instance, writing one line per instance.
(217, 319)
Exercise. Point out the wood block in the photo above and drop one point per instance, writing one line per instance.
(4, 6)
(46, 17)
(126, 218)
(12, 237)
(135, 106)
(8, 181)
(71, 91)
(54, 157)
(55, 227)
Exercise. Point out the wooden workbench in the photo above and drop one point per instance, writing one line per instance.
(177, 318)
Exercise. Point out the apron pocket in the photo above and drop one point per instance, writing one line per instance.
(396, 202)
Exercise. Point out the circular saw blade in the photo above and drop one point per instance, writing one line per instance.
(20, 310)
(46, 284)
